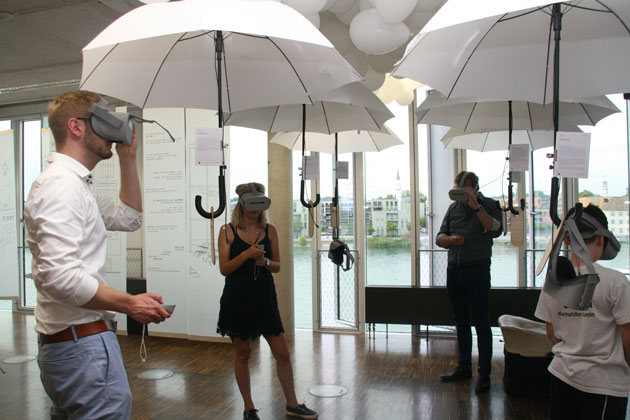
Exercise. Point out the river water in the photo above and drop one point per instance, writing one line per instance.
(392, 266)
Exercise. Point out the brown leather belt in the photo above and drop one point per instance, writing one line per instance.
(82, 330)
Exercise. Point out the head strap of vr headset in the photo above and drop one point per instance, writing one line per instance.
(575, 291)
(462, 181)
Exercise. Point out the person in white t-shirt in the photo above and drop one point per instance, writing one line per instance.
(590, 368)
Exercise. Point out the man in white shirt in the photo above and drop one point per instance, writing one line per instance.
(590, 374)
(79, 357)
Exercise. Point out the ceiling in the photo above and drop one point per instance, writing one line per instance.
(41, 42)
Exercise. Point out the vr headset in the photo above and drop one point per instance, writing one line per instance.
(115, 126)
(336, 253)
(254, 200)
(561, 282)
(459, 193)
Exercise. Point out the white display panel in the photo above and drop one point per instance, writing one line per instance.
(179, 264)
(204, 282)
(9, 281)
(165, 213)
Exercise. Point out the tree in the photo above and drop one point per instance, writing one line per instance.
(586, 193)
(392, 227)
(370, 230)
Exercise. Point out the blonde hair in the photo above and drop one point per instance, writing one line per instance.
(237, 213)
(74, 104)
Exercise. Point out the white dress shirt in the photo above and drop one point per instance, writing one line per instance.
(66, 232)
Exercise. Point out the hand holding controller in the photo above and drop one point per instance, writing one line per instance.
(168, 308)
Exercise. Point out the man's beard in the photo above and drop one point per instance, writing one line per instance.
(98, 146)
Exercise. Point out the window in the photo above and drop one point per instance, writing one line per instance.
(387, 201)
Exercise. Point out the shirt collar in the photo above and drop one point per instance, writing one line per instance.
(70, 163)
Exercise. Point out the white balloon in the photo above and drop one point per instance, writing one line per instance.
(405, 98)
(365, 4)
(416, 21)
(341, 6)
(384, 63)
(358, 59)
(314, 18)
(349, 15)
(373, 80)
(337, 33)
(391, 89)
(371, 34)
(394, 11)
(429, 5)
(306, 7)
(328, 5)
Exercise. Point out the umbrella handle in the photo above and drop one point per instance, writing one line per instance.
(304, 203)
(219, 211)
(553, 201)
(510, 205)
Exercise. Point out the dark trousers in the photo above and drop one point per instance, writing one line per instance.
(469, 289)
(568, 403)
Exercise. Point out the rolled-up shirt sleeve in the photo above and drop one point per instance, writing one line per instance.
(55, 228)
(118, 215)
(495, 212)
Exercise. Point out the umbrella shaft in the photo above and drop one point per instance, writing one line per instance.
(218, 51)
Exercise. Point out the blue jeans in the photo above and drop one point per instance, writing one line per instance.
(85, 379)
(469, 290)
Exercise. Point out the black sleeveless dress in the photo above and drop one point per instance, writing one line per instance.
(249, 304)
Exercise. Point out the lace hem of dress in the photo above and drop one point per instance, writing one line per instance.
(244, 336)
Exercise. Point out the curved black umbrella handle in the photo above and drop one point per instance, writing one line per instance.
(219, 211)
(510, 205)
(553, 201)
(304, 203)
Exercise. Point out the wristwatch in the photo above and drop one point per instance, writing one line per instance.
(478, 209)
(267, 262)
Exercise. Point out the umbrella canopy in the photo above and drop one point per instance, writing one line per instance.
(494, 115)
(495, 140)
(511, 50)
(348, 141)
(504, 50)
(350, 107)
(163, 55)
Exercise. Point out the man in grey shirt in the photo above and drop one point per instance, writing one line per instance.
(467, 232)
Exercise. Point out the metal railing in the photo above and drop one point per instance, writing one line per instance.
(337, 294)
(134, 263)
(432, 265)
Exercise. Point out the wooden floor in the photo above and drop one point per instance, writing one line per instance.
(387, 378)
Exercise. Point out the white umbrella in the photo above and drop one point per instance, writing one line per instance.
(350, 107)
(503, 50)
(163, 55)
(213, 54)
(348, 141)
(494, 115)
(487, 141)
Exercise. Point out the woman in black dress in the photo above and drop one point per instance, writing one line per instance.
(248, 254)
